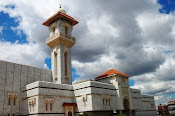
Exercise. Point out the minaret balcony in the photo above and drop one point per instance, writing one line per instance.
(60, 39)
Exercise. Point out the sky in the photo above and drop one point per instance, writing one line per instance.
(137, 38)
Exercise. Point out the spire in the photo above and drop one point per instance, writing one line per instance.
(61, 10)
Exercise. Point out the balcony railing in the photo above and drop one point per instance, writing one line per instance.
(60, 34)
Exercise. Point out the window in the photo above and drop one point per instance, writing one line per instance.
(103, 101)
(9, 101)
(66, 29)
(32, 103)
(53, 29)
(46, 106)
(14, 102)
(109, 102)
(30, 107)
(55, 54)
(106, 101)
(49, 104)
(50, 107)
(65, 62)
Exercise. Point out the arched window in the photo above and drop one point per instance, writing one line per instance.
(9, 101)
(66, 30)
(53, 29)
(65, 62)
(50, 107)
(14, 101)
(46, 106)
(55, 65)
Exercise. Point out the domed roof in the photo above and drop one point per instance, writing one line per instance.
(61, 10)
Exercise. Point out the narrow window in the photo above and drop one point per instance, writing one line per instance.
(65, 61)
(13, 114)
(8, 114)
(103, 101)
(14, 102)
(9, 100)
(109, 102)
(106, 102)
(53, 30)
(46, 106)
(66, 29)
(30, 107)
(50, 107)
(55, 64)
(33, 105)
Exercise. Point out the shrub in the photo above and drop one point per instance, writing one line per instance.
(84, 114)
(120, 115)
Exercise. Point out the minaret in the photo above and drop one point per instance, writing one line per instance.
(60, 41)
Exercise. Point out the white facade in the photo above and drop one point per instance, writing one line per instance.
(171, 108)
(27, 90)
(34, 87)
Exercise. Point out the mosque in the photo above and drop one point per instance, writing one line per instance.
(27, 90)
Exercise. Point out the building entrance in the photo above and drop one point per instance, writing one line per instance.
(126, 107)
(69, 113)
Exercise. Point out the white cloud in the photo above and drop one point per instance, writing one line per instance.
(28, 54)
(1, 28)
(162, 99)
(159, 82)
(45, 66)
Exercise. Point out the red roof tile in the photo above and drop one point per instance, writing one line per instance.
(173, 101)
(69, 104)
(111, 72)
(61, 16)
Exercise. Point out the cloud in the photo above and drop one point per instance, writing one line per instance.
(131, 37)
(45, 66)
(162, 99)
(160, 81)
(1, 28)
(28, 54)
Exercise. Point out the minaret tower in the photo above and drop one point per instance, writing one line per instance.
(60, 41)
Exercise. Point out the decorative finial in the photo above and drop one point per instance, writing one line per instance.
(61, 10)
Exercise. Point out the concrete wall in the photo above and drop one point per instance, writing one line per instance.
(146, 113)
(83, 90)
(148, 102)
(143, 104)
(136, 99)
(94, 91)
(13, 77)
(60, 93)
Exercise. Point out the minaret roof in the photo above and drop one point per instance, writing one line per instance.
(111, 72)
(60, 15)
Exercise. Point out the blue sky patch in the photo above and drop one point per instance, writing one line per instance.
(131, 82)
(48, 62)
(8, 33)
(168, 6)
